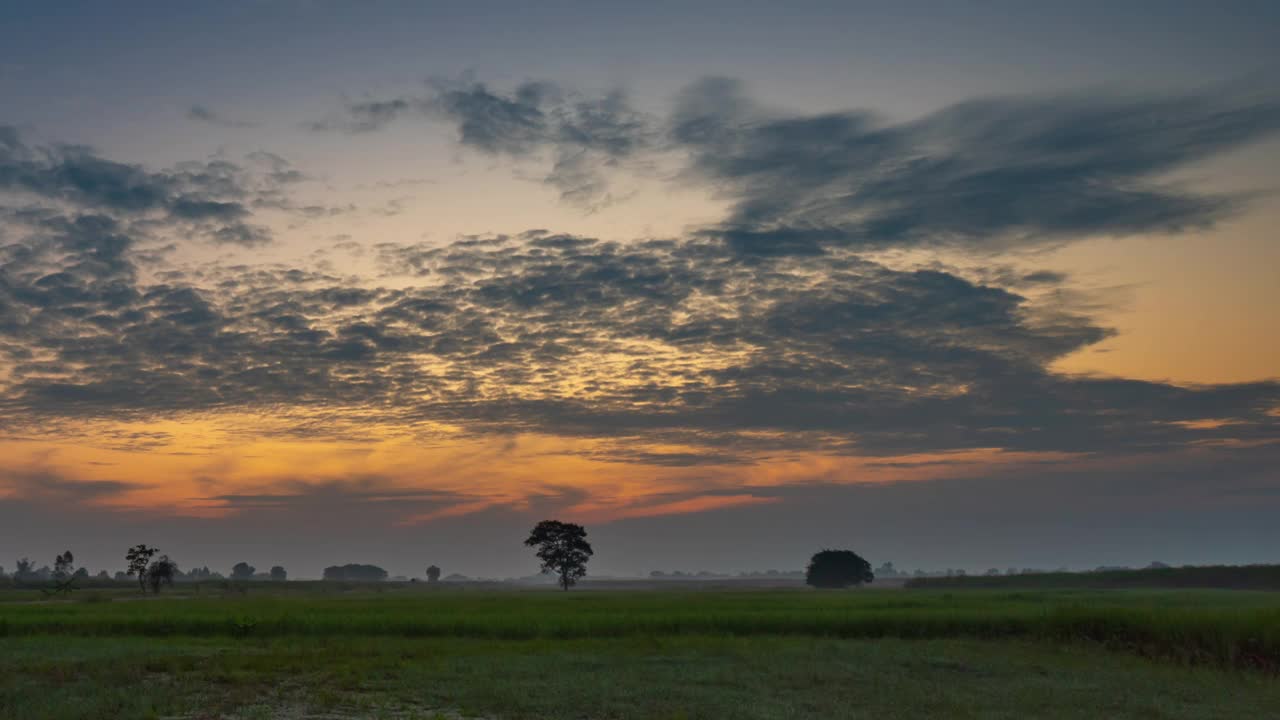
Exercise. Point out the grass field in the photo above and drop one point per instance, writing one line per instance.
(399, 651)
(1234, 577)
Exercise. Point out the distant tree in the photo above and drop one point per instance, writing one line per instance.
(202, 573)
(278, 574)
(139, 559)
(161, 572)
(993, 571)
(837, 569)
(63, 566)
(64, 575)
(102, 575)
(886, 570)
(242, 571)
(355, 572)
(563, 550)
(433, 574)
(25, 570)
(121, 576)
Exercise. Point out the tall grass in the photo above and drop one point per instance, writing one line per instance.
(1237, 629)
(1232, 577)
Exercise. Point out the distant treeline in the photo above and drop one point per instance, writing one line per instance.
(1234, 577)
(707, 574)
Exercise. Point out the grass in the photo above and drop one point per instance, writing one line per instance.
(1228, 628)
(411, 652)
(1234, 577)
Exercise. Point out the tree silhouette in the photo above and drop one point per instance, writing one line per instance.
(64, 575)
(62, 566)
(242, 571)
(278, 574)
(161, 572)
(433, 574)
(355, 572)
(837, 569)
(139, 558)
(562, 548)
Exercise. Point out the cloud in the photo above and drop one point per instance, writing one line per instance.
(986, 173)
(585, 137)
(363, 117)
(213, 199)
(769, 333)
(293, 495)
(669, 352)
(203, 114)
(43, 485)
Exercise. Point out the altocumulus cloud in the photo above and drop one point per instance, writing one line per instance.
(654, 341)
(769, 332)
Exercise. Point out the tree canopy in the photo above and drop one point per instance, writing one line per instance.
(355, 572)
(161, 572)
(837, 569)
(563, 550)
(139, 559)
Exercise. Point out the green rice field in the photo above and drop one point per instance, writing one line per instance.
(318, 650)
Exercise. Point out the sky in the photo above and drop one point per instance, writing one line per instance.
(950, 284)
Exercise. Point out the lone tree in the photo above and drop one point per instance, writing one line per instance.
(242, 571)
(837, 569)
(563, 550)
(433, 574)
(139, 557)
(278, 574)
